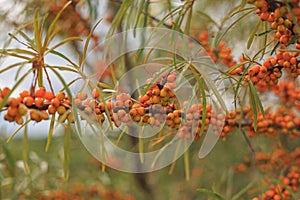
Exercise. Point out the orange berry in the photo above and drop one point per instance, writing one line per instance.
(12, 111)
(49, 95)
(55, 102)
(34, 115)
(28, 101)
(163, 93)
(24, 93)
(12, 102)
(141, 111)
(61, 96)
(286, 56)
(51, 109)
(95, 93)
(40, 92)
(133, 112)
(39, 102)
(5, 91)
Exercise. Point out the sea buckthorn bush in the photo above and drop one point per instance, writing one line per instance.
(255, 46)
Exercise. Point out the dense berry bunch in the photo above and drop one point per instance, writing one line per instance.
(40, 105)
(290, 182)
(281, 20)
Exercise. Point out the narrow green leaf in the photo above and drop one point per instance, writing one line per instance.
(175, 157)
(119, 16)
(214, 89)
(53, 25)
(50, 132)
(36, 30)
(63, 68)
(211, 193)
(25, 150)
(81, 64)
(252, 34)
(275, 47)
(169, 14)
(236, 91)
(16, 131)
(210, 19)
(19, 51)
(186, 163)
(141, 145)
(256, 97)
(231, 25)
(27, 38)
(245, 189)
(65, 58)
(13, 66)
(188, 22)
(253, 104)
(138, 16)
(63, 42)
(265, 32)
(67, 139)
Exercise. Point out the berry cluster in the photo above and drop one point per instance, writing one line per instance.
(281, 20)
(281, 121)
(271, 161)
(289, 94)
(158, 106)
(290, 182)
(79, 191)
(276, 161)
(221, 53)
(266, 76)
(40, 105)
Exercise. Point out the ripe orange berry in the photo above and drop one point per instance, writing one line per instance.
(141, 111)
(51, 109)
(95, 93)
(12, 111)
(5, 91)
(28, 101)
(286, 56)
(12, 102)
(55, 102)
(34, 115)
(39, 102)
(49, 95)
(40, 92)
(24, 93)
